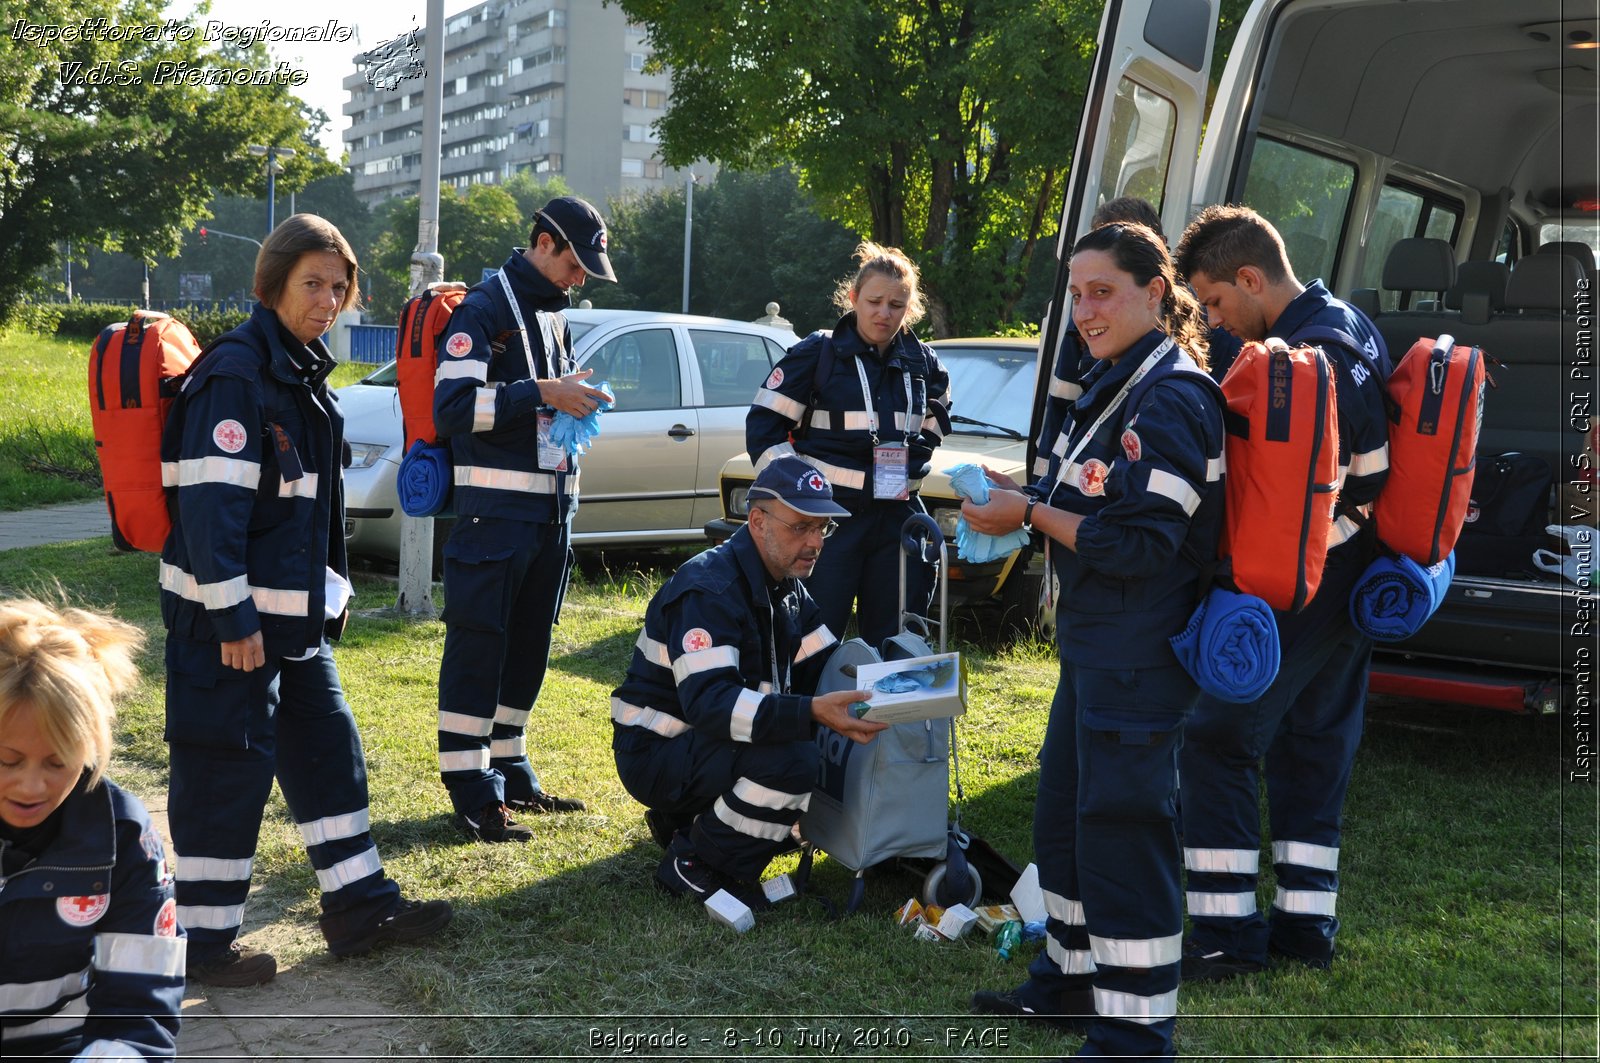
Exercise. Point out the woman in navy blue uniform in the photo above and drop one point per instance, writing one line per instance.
(1130, 507)
(91, 953)
(253, 587)
(866, 404)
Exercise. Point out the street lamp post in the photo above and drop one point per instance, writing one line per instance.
(273, 154)
(688, 230)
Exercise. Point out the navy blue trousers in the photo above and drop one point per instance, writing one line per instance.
(1106, 842)
(744, 799)
(503, 585)
(1306, 728)
(231, 733)
(860, 567)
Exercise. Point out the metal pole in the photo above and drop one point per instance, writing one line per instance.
(427, 266)
(69, 271)
(272, 176)
(688, 231)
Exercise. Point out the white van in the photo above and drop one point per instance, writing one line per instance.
(1416, 155)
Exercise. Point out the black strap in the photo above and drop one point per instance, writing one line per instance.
(819, 377)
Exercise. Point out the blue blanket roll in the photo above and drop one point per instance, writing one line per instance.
(1395, 596)
(425, 479)
(576, 434)
(1230, 646)
(975, 547)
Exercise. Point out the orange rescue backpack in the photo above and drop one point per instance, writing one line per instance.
(1282, 453)
(422, 319)
(135, 370)
(1435, 407)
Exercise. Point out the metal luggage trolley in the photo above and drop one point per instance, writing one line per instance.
(889, 799)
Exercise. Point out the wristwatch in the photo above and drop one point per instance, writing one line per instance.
(1027, 515)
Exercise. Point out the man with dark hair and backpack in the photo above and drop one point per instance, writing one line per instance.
(505, 369)
(1307, 725)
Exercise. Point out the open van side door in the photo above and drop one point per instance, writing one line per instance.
(1139, 135)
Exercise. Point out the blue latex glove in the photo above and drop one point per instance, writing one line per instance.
(576, 434)
(969, 481)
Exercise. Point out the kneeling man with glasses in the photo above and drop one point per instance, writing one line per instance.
(713, 729)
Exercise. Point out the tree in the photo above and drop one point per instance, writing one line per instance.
(757, 239)
(941, 126)
(121, 143)
(476, 232)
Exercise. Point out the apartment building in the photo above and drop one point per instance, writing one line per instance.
(544, 86)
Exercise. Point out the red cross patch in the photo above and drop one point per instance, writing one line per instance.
(459, 345)
(1092, 477)
(775, 379)
(696, 639)
(81, 911)
(815, 482)
(167, 920)
(1131, 445)
(600, 240)
(229, 436)
(1473, 513)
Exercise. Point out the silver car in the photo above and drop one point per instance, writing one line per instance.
(683, 387)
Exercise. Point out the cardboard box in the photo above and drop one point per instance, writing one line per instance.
(725, 908)
(956, 921)
(919, 688)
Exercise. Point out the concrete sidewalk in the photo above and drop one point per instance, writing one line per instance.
(54, 524)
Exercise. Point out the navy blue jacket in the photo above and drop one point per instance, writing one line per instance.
(837, 438)
(91, 953)
(1359, 384)
(1149, 484)
(487, 402)
(713, 636)
(254, 448)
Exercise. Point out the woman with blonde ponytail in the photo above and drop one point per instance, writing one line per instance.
(91, 954)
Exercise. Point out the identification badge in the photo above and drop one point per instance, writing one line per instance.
(889, 480)
(552, 456)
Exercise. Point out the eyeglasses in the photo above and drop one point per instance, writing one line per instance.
(824, 529)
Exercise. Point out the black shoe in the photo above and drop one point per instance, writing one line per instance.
(1070, 1014)
(1201, 964)
(407, 921)
(493, 823)
(542, 802)
(683, 874)
(1316, 963)
(234, 968)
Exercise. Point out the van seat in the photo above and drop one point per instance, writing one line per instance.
(1544, 282)
(1420, 264)
(1572, 249)
(1486, 277)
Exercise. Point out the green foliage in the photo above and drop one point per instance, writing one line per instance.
(46, 443)
(941, 128)
(757, 239)
(83, 321)
(477, 231)
(108, 155)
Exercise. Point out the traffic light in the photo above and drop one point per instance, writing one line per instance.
(203, 235)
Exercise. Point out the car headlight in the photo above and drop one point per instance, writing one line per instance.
(366, 455)
(946, 517)
(739, 502)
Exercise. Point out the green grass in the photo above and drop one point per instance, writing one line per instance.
(46, 440)
(1468, 895)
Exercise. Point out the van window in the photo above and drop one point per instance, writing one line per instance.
(1306, 196)
(1139, 150)
(1402, 212)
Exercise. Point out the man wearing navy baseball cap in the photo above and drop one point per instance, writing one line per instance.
(505, 369)
(713, 729)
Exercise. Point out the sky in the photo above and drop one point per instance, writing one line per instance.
(374, 22)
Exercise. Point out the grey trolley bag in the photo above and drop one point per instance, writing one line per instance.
(889, 799)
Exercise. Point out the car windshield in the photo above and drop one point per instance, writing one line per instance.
(386, 375)
(991, 384)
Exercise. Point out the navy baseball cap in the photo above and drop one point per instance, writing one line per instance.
(798, 485)
(578, 223)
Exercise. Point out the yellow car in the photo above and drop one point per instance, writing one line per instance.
(991, 383)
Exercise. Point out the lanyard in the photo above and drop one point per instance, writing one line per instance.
(780, 681)
(547, 332)
(1105, 415)
(872, 409)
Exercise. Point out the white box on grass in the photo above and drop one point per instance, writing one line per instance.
(729, 910)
